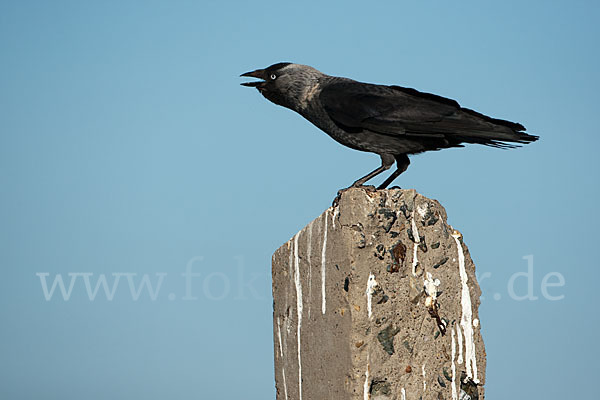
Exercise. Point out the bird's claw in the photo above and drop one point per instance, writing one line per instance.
(336, 200)
(381, 187)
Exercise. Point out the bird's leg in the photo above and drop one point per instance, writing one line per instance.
(402, 163)
(387, 160)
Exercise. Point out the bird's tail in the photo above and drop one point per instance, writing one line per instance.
(494, 132)
(502, 140)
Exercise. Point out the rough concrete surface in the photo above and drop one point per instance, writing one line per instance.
(377, 299)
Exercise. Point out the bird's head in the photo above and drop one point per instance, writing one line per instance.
(285, 83)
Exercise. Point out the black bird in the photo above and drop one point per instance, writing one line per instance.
(392, 121)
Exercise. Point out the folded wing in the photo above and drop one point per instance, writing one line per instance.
(407, 113)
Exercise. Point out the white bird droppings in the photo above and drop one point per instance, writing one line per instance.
(460, 345)
(467, 314)
(431, 285)
(336, 212)
(323, 262)
(281, 353)
(415, 232)
(454, 394)
(422, 209)
(371, 283)
(299, 308)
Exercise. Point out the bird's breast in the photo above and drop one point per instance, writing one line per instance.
(362, 140)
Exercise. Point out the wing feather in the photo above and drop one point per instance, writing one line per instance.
(399, 111)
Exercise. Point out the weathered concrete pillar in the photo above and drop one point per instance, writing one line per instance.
(377, 299)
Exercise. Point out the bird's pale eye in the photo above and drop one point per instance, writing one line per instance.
(273, 77)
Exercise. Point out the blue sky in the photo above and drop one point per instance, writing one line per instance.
(127, 146)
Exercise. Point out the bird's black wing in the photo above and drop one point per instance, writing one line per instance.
(383, 109)
(395, 110)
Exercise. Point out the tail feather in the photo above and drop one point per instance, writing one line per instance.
(511, 141)
(515, 126)
(492, 132)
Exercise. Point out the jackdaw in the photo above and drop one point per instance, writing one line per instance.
(392, 121)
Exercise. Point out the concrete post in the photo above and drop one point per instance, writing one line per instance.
(377, 299)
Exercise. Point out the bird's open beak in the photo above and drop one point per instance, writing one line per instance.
(259, 73)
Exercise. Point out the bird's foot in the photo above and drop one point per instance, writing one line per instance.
(337, 198)
(381, 187)
(368, 188)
